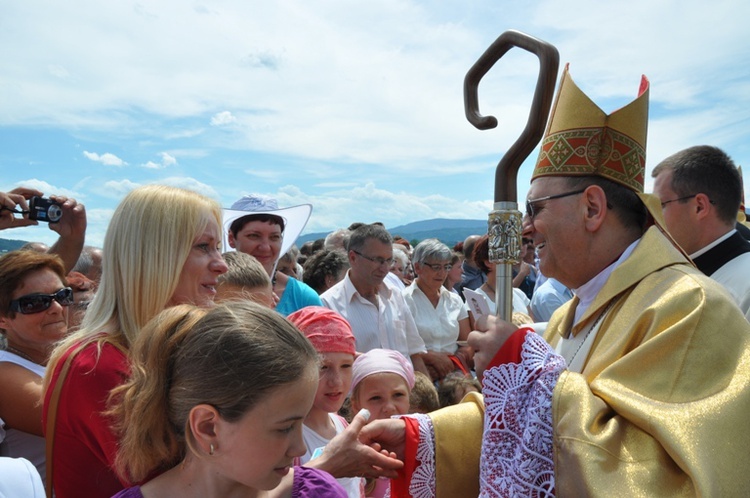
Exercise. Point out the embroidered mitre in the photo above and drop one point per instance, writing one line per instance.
(583, 140)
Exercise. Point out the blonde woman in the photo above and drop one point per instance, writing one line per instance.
(162, 248)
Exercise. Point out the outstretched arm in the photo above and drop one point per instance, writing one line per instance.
(346, 455)
(72, 231)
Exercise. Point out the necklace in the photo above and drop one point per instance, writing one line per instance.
(20, 353)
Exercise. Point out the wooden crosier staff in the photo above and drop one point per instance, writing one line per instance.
(505, 221)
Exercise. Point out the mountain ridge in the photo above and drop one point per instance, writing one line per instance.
(447, 230)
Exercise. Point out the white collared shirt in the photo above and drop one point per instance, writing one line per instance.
(438, 326)
(389, 325)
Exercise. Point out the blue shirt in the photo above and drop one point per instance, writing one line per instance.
(296, 296)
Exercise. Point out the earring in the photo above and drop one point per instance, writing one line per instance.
(211, 449)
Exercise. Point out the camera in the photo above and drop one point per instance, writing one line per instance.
(42, 209)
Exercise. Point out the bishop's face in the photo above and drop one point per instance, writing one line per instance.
(557, 230)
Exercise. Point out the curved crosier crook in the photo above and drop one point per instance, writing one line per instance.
(504, 225)
(549, 60)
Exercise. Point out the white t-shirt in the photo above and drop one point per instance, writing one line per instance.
(19, 478)
(19, 444)
(314, 441)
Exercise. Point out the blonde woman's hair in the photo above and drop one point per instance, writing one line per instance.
(231, 357)
(147, 243)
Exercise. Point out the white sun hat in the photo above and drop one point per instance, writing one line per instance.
(295, 217)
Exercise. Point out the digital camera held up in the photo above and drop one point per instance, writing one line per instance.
(42, 209)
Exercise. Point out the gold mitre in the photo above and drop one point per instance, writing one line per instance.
(583, 140)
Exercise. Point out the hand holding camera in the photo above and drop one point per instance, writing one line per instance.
(42, 209)
(63, 215)
(15, 201)
(70, 215)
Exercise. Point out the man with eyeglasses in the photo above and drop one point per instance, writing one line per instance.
(378, 314)
(701, 191)
(641, 383)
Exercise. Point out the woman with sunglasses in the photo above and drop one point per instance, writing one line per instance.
(162, 248)
(34, 300)
(441, 316)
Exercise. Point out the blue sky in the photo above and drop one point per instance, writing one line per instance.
(354, 107)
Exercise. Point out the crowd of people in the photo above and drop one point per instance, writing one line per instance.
(199, 352)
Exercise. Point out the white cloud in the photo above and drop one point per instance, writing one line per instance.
(58, 71)
(166, 161)
(190, 184)
(222, 119)
(118, 188)
(360, 106)
(106, 159)
(368, 203)
(47, 189)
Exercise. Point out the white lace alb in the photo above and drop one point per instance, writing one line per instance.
(517, 453)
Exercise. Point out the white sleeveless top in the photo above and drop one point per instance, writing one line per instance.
(19, 444)
(314, 441)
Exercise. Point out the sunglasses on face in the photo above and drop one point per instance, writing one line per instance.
(36, 303)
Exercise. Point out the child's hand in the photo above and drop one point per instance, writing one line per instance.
(346, 456)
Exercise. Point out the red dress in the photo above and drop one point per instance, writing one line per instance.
(85, 445)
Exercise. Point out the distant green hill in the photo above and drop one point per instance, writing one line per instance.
(446, 230)
(10, 245)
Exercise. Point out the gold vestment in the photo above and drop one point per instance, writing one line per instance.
(661, 407)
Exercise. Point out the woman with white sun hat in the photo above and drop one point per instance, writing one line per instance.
(255, 225)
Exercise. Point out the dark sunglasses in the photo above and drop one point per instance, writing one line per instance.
(36, 303)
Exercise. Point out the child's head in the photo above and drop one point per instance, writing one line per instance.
(382, 381)
(332, 337)
(245, 279)
(455, 386)
(423, 397)
(226, 388)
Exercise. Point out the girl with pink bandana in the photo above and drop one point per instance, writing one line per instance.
(332, 337)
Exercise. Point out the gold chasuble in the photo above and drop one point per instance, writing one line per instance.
(458, 439)
(662, 404)
(644, 422)
(637, 422)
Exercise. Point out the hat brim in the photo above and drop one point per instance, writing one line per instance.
(295, 218)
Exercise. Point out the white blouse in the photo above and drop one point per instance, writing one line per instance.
(438, 326)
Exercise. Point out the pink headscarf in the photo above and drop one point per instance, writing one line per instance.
(328, 331)
(382, 361)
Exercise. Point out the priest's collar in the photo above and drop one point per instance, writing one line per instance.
(588, 291)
